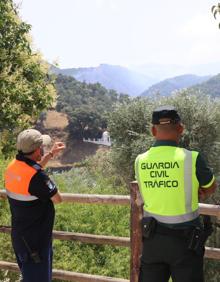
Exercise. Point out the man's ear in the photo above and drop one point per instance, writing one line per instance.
(37, 152)
(153, 130)
(180, 128)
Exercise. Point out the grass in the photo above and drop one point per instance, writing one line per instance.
(93, 219)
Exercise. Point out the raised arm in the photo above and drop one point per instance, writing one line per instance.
(56, 148)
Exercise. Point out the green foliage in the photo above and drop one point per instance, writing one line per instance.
(215, 11)
(210, 87)
(87, 106)
(6, 250)
(129, 126)
(25, 87)
(93, 219)
(211, 269)
(3, 165)
(104, 167)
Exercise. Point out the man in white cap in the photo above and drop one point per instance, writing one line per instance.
(32, 195)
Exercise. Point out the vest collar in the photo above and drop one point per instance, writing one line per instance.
(165, 143)
(21, 157)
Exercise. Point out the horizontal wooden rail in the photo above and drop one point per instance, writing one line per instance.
(93, 239)
(96, 199)
(212, 253)
(83, 237)
(208, 209)
(66, 275)
(3, 194)
(89, 198)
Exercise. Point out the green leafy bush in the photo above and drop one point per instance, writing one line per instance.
(25, 86)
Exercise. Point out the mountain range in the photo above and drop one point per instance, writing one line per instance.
(145, 79)
(121, 79)
(167, 86)
(210, 87)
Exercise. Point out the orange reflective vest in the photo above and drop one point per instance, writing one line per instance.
(17, 179)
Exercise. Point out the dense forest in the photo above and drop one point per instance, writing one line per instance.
(87, 106)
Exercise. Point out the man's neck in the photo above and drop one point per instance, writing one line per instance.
(173, 139)
(30, 157)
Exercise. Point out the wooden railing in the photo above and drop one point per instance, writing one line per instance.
(134, 242)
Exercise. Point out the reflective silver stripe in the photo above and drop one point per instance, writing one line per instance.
(20, 197)
(138, 175)
(188, 181)
(137, 168)
(175, 218)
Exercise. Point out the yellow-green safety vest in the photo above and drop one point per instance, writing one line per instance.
(168, 184)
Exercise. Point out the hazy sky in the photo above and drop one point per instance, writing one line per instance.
(124, 32)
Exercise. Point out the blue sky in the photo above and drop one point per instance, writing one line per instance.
(79, 33)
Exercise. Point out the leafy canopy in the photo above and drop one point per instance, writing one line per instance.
(25, 87)
(87, 105)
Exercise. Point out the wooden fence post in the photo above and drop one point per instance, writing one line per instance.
(135, 231)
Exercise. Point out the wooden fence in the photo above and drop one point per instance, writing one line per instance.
(134, 242)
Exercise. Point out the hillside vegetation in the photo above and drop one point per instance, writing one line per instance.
(86, 105)
(210, 87)
(167, 86)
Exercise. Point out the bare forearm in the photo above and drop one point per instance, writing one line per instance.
(56, 149)
(45, 159)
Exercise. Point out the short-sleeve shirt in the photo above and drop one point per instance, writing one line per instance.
(32, 221)
(203, 172)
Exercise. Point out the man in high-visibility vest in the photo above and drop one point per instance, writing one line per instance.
(31, 195)
(171, 179)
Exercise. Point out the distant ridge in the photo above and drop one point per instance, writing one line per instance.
(167, 86)
(210, 87)
(121, 79)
